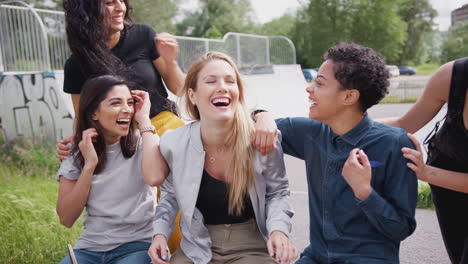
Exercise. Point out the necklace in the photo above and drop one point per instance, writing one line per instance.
(211, 159)
(217, 156)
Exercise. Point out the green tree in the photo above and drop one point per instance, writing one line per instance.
(377, 24)
(433, 43)
(319, 25)
(218, 16)
(282, 26)
(455, 44)
(419, 16)
(157, 13)
(323, 23)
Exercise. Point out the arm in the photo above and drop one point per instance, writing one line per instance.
(73, 81)
(265, 134)
(165, 214)
(168, 207)
(166, 64)
(293, 131)
(456, 181)
(76, 102)
(278, 210)
(63, 148)
(452, 180)
(163, 223)
(166, 210)
(153, 164)
(73, 194)
(435, 95)
(391, 212)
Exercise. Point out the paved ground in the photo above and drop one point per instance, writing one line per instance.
(425, 246)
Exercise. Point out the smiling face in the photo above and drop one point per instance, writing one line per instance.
(115, 14)
(326, 95)
(217, 93)
(114, 114)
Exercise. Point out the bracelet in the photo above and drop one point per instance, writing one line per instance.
(252, 115)
(151, 129)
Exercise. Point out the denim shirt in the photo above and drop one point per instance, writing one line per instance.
(344, 229)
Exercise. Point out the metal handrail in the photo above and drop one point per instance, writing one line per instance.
(39, 20)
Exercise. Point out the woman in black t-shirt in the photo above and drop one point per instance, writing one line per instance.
(104, 41)
(447, 164)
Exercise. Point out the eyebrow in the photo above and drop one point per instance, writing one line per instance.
(120, 99)
(215, 76)
(320, 75)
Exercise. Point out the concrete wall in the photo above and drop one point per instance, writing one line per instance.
(34, 105)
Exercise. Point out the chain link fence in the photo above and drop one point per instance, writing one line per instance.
(247, 51)
(406, 89)
(33, 40)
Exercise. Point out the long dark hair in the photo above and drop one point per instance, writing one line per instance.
(94, 92)
(87, 34)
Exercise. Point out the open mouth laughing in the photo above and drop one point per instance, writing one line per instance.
(221, 102)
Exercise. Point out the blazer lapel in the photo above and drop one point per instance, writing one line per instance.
(193, 174)
(257, 195)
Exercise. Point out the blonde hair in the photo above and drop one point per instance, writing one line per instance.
(240, 171)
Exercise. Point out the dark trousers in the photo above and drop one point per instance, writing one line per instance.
(452, 213)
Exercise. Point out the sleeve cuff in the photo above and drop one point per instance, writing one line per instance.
(279, 226)
(67, 174)
(68, 170)
(374, 202)
(160, 228)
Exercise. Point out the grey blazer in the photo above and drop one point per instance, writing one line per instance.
(183, 150)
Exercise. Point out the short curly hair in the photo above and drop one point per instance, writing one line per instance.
(361, 68)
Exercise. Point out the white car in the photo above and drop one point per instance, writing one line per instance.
(393, 70)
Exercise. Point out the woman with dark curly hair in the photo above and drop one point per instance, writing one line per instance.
(103, 40)
(362, 197)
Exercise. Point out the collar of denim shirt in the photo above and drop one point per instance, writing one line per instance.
(356, 133)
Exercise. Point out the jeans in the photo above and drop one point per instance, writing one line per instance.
(304, 259)
(133, 252)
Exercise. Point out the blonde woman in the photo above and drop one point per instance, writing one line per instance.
(234, 201)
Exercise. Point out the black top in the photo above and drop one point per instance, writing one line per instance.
(448, 148)
(137, 50)
(213, 203)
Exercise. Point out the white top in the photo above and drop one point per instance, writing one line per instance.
(120, 206)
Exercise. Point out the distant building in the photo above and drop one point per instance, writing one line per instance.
(460, 14)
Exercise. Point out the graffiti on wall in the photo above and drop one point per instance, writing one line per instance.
(33, 105)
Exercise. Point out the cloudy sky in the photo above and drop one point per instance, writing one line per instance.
(269, 9)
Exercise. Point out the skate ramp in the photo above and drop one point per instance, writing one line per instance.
(281, 92)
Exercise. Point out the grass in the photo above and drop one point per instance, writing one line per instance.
(427, 68)
(29, 227)
(397, 100)
(424, 196)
